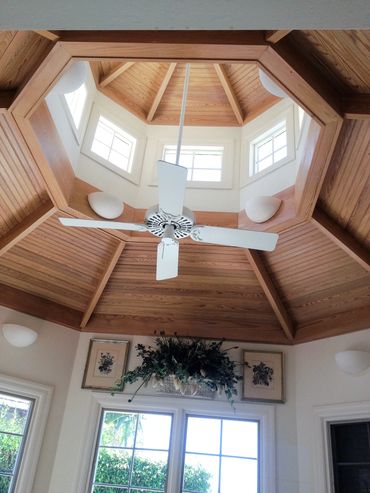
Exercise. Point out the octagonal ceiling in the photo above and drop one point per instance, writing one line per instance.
(316, 284)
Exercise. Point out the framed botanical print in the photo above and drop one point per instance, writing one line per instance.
(105, 365)
(263, 376)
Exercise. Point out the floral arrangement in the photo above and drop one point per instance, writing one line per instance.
(195, 362)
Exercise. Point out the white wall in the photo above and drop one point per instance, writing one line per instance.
(58, 358)
(48, 361)
(320, 382)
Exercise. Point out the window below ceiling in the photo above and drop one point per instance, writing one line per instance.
(114, 144)
(133, 453)
(269, 148)
(204, 163)
(23, 413)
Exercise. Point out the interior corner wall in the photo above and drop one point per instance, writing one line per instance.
(320, 382)
(48, 361)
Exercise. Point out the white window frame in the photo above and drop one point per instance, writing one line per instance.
(227, 170)
(132, 176)
(78, 133)
(41, 396)
(261, 132)
(323, 417)
(179, 408)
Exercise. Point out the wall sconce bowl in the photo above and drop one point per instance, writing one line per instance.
(353, 361)
(270, 85)
(261, 209)
(19, 335)
(73, 78)
(105, 205)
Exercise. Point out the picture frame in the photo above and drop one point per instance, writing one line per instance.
(263, 379)
(105, 364)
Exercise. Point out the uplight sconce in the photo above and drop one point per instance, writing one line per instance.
(270, 85)
(73, 78)
(19, 335)
(353, 362)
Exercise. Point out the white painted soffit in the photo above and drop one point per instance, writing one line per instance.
(188, 14)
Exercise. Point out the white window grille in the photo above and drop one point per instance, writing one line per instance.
(113, 144)
(270, 148)
(204, 163)
(76, 101)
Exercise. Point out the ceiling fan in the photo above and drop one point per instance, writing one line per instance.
(171, 221)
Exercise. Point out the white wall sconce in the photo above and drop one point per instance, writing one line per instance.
(73, 78)
(19, 335)
(353, 362)
(270, 85)
(261, 209)
(105, 205)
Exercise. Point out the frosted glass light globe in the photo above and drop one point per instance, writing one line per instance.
(105, 205)
(19, 335)
(270, 85)
(261, 209)
(353, 361)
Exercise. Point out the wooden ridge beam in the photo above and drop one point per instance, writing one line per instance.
(28, 303)
(276, 36)
(356, 107)
(271, 293)
(50, 35)
(101, 285)
(30, 223)
(341, 238)
(161, 91)
(230, 93)
(106, 80)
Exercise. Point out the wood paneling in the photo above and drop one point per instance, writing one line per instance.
(346, 189)
(216, 288)
(20, 54)
(343, 56)
(57, 263)
(21, 188)
(315, 277)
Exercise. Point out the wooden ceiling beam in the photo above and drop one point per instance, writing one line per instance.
(50, 35)
(341, 238)
(356, 107)
(101, 285)
(23, 302)
(271, 293)
(319, 148)
(26, 227)
(230, 93)
(108, 79)
(161, 91)
(276, 36)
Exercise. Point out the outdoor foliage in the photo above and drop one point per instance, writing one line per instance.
(114, 469)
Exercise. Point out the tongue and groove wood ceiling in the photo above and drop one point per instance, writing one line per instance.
(315, 284)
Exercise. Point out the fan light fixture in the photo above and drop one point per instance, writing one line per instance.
(270, 85)
(261, 209)
(19, 335)
(353, 362)
(105, 205)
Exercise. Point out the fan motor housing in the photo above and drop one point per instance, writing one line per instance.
(156, 221)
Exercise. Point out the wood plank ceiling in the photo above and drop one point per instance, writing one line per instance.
(315, 284)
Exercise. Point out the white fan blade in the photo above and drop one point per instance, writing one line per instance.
(92, 223)
(167, 259)
(171, 187)
(255, 240)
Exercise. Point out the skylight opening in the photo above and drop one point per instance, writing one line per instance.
(204, 163)
(113, 144)
(270, 148)
(76, 101)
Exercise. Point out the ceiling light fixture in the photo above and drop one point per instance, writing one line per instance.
(19, 335)
(353, 362)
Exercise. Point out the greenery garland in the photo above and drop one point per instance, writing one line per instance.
(189, 361)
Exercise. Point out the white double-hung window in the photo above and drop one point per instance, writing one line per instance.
(270, 148)
(168, 452)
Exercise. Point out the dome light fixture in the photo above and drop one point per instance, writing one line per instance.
(19, 335)
(353, 362)
(73, 78)
(270, 85)
(262, 208)
(105, 205)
